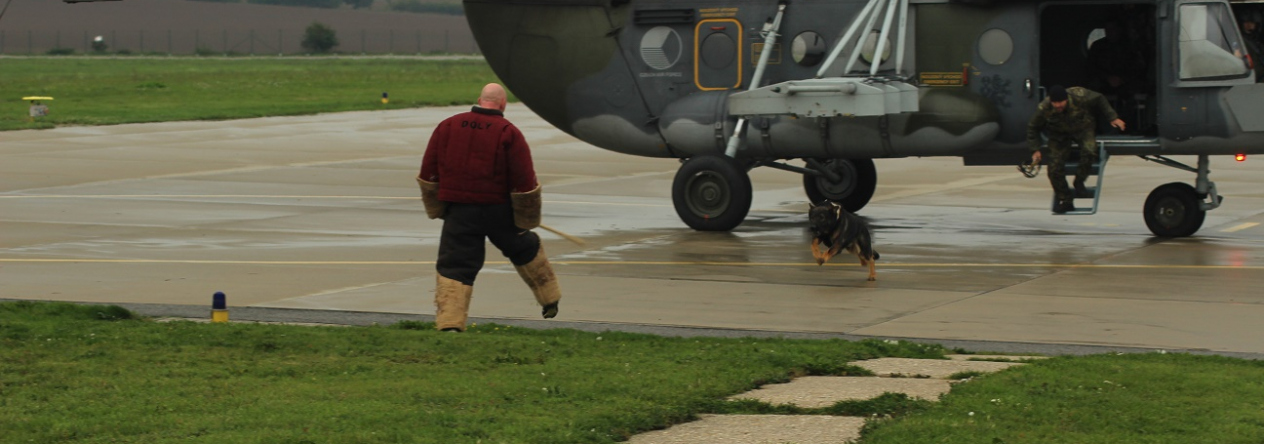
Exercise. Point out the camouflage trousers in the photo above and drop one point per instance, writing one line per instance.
(1059, 149)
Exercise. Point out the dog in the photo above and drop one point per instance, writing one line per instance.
(838, 230)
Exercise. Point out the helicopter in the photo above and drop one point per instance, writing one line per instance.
(731, 85)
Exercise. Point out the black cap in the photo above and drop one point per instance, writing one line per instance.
(1057, 93)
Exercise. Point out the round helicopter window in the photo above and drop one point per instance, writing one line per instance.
(871, 45)
(996, 46)
(1093, 37)
(808, 48)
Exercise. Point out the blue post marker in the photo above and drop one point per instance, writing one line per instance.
(219, 307)
(385, 98)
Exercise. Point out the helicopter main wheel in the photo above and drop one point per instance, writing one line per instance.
(711, 193)
(859, 179)
(1174, 210)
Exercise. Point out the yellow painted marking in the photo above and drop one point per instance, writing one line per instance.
(644, 263)
(1239, 227)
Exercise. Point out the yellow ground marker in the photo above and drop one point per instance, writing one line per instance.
(1239, 227)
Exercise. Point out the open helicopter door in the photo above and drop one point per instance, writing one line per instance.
(1110, 48)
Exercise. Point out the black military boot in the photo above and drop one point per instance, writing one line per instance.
(1081, 191)
(1063, 206)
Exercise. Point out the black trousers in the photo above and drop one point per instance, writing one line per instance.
(462, 248)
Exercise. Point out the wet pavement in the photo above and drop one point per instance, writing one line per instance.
(321, 213)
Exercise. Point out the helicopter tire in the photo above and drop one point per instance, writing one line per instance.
(1174, 210)
(711, 193)
(859, 180)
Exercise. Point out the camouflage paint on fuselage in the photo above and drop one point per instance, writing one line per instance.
(652, 77)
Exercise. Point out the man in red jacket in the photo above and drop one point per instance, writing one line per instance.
(478, 177)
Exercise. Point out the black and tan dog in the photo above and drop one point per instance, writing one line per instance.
(839, 230)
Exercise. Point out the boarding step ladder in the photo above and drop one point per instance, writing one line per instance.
(834, 93)
(1104, 144)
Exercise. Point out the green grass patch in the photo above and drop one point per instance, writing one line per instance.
(106, 91)
(965, 375)
(94, 374)
(1102, 399)
(885, 405)
(98, 374)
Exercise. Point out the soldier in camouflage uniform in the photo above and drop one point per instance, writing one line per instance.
(1069, 115)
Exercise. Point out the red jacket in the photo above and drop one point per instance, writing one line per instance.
(478, 157)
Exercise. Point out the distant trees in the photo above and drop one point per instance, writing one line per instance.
(430, 7)
(305, 3)
(450, 7)
(308, 3)
(319, 38)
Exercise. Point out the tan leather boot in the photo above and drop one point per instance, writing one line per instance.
(452, 304)
(538, 274)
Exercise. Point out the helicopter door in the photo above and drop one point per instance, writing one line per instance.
(717, 54)
(1208, 57)
(1109, 48)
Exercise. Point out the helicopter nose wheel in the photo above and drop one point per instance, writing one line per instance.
(858, 179)
(1174, 210)
(711, 193)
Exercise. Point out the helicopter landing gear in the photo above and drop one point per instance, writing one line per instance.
(851, 186)
(711, 193)
(1173, 210)
(1178, 209)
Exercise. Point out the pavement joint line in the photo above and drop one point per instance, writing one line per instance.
(367, 318)
(895, 265)
(288, 196)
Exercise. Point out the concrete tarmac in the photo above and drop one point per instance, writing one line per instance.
(320, 215)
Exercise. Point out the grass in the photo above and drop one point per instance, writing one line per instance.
(107, 91)
(1101, 399)
(92, 374)
(98, 374)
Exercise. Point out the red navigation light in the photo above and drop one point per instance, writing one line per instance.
(1240, 157)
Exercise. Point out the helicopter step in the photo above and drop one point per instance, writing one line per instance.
(1099, 171)
(1095, 192)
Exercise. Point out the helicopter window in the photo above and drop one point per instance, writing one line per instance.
(1209, 44)
(996, 46)
(808, 48)
(1093, 37)
(871, 45)
(718, 50)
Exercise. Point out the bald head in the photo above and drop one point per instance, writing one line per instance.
(493, 97)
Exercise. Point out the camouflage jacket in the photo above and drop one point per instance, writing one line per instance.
(1083, 108)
